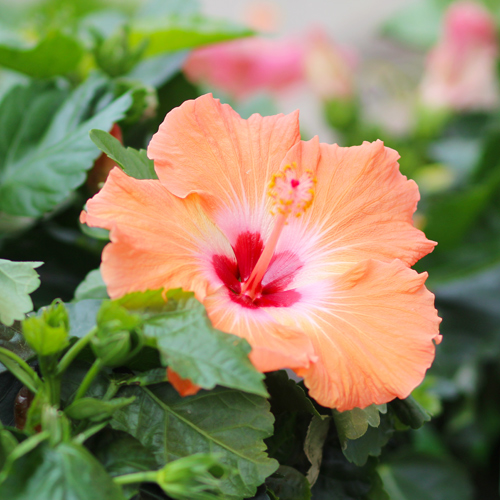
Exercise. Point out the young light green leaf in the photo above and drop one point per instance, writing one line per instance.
(229, 423)
(17, 281)
(66, 471)
(134, 163)
(56, 54)
(45, 150)
(92, 287)
(179, 33)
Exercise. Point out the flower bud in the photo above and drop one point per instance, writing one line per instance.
(118, 337)
(114, 55)
(195, 477)
(47, 334)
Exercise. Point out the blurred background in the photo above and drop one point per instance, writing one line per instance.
(422, 75)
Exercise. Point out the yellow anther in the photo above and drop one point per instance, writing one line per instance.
(292, 195)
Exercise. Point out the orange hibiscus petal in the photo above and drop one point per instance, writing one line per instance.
(204, 146)
(183, 386)
(363, 205)
(157, 239)
(274, 346)
(373, 332)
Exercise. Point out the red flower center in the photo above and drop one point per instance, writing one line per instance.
(233, 272)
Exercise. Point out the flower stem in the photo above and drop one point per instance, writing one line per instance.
(137, 477)
(88, 379)
(75, 349)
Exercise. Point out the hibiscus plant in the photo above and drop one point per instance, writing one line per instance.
(200, 300)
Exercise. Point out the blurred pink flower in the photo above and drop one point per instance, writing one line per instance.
(249, 65)
(329, 68)
(461, 69)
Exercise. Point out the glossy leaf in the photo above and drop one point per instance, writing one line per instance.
(229, 423)
(46, 150)
(120, 454)
(56, 54)
(188, 343)
(134, 163)
(287, 395)
(67, 471)
(179, 33)
(17, 281)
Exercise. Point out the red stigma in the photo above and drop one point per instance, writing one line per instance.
(295, 183)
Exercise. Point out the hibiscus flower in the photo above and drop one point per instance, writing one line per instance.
(304, 249)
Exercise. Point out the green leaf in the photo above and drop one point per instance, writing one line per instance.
(178, 33)
(370, 443)
(46, 149)
(313, 445)
(82, 316)
(229, 423)
(452, 214)
(17, 281)
(92, 287)
(416, 477)
(95, 410)
(288, 483)
(287, 395)
(7, 444)
(157, 70)
(134, 163)
(341, 480)
(352, 424)
(190, 345)
(67, 471)
(410, 412)
(120, 454)
(56, 54)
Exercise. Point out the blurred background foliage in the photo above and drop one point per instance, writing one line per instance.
(69, 66)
